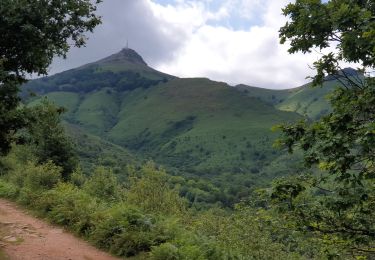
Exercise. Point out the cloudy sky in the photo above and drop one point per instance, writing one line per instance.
(235, 41)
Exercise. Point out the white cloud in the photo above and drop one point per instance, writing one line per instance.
(189, 38)
(252, 56)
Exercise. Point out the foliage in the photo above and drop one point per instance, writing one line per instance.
(8, 190)
(338, 203)
(127, 223)
(28, 44)
(244, 233)
(126, 231)
(152, 193)
(92, 79)
(32, 179)
(41, 177)
(69, 206)
(166, 251)
(103, 184)
(12, 118)
(347, 26)
(196, 128)
(78, 178)
(48, 138)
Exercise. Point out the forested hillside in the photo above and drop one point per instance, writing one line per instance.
(146, 165)
(196, 128)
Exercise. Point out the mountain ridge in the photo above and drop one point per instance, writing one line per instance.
(192, 126)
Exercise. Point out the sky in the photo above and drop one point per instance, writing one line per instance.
(234, 41)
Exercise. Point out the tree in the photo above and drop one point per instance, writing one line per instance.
(346, 25)
(48, 139)
(32, 33)
(337, 202)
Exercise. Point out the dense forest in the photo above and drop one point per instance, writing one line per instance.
(310, 196)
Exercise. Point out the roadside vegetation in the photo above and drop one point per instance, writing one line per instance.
(144, 217)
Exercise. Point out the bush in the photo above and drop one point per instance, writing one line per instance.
(166, 251)
(41, 177)
(18, 157)
(33, 180)
(71, 207)
(103, 184)
(28, 197)
(125, 231)
(153, 194)
(187, 245)
(77, 178)
(8, 190)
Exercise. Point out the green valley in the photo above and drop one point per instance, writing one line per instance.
(194, 127)
(146, 165)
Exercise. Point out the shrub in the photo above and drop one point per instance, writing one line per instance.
(41, 177)
(187, 245)
(33, 180)
(19, 156)
(28, 196)
(77, 178)
(103, 184)
(166, 251)
(8, 190)
(153, 194)
(124, 231)
(69, 206)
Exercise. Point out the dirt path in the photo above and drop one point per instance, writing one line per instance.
(25, 237)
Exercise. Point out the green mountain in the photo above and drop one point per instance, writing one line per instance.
(123, 71)
(305, 100)
(270, 96)
(121, 111)
(195, 125)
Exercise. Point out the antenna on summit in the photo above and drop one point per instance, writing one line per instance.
(127, 44)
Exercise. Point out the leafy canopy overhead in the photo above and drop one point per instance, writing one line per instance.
(32, 33)
(348, 26)
(338, 202)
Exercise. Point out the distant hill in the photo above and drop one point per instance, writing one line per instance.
(270, 96)
(306, 100)
(195, 125)
(122, 108)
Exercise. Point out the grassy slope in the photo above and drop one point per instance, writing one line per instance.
(195, 125)
(271, 96)
(93, 150)
(309, 101)
(312, 101)
(68, 100)
(98, 111)
(305, 100)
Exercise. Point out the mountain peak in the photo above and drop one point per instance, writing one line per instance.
(125, 55)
